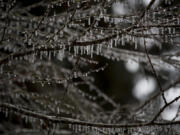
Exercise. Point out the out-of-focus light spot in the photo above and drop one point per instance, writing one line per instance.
(176, 58)
(170, 95)
(169, 113)
(119, 8)
(146, 2)
(132, 66)
(132, 3)
(144, 86)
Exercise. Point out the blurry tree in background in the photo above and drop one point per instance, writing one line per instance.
(52, 50)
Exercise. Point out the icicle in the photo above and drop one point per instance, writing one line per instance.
(101, 14)
(88, 49)
(26, 119)
(163, 31)
(111, 44)
(115, 42)
(82, 50)
(75, 75)
(136, 44)
(49, 57)
(6, 113)
(41, 123)
(70, 126)
(55, 37)
(174, 31)
(30, 41)
(89, 21)
(42, 84)
(91, 33)
(133, 19)
(61, 34)
(60, 55)
(97, 49)
(166, 38)
(68, 3)
(69, 48)
(169, 2)
(41, 55)
(36, 33)
(79, 128)
(31, 120)
(122, 40)
(78, 4)
(75, 50)
(100, 48)
(33, 58)
(92, 51)
(58, 110)
(178, 21)
(169, 30)
(54, 53)
(128, 38)
(1, 69)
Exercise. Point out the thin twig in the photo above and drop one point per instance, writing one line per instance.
(155, 96)
(154, 72)
(63, 120)
(163, 108)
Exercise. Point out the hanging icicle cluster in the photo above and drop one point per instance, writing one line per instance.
(48, 51)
